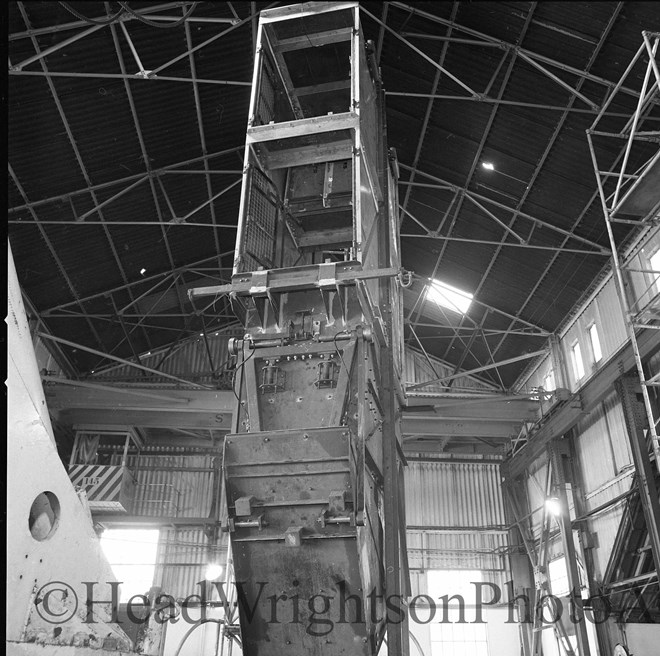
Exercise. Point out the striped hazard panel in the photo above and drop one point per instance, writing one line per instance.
(102, 483)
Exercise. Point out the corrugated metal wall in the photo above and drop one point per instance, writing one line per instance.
(177, 486)
(189, 360)
(456, 519)
(603, 466)
(602, 446)
(604, 310)
(453, 494)
(418, 370)
(173, 485)
(535, 492)
(183, 555)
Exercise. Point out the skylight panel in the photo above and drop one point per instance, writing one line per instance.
(449, 297)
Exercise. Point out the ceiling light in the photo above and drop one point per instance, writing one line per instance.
(553, 506)
(213, 572)
(143, 271)
(449, 297)
(489, 166)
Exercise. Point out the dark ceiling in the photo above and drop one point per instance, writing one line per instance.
(125, 153)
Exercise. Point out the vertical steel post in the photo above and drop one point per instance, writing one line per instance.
(586, 542)
(522, 576)
(611, 206)
(636, 426)
(396, 645)
(556, 452)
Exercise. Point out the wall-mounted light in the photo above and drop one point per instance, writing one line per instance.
(553, 506)
(213, 572)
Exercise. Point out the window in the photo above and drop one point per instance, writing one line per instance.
(456, 638)
(449, 297)
(132, 556)
(595, 342)
(558, 576)
(549, 381)
(453, 581)
(576, 357)
(654, 261)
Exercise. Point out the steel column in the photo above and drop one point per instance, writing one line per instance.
(557, 452)
(636, 426)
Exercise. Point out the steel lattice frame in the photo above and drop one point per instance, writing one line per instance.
(615, 188)
(468, 331)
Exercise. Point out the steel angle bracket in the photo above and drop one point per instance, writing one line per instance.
(371, 312)
(239, 307)
(327, 284)
(262, 296)
(295, 230)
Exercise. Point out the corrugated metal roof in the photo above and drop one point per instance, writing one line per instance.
(541, 286)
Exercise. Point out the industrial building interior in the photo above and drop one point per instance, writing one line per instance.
(469, 191)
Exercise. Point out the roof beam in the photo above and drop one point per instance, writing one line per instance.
(117, 288)
(487, 39)
(170, 224)
(58, 46)
(427, 115)
(128, 363)
(476, 301)
(202, 140)
(513, 103)
(558, 249)
(127, 76)
(471, 372)
(199, 46)
(517, 213)
(381, 31)
(457, 427)
(49, 244)
(592, 59)
(459, 197)
(421, 53)
(86, 403)
(171, 169)
(63, 27)
(76, 151)
(558, 80)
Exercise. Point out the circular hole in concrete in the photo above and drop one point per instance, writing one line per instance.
(44, 516)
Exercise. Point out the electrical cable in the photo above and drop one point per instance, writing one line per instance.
(93, 21)
(233, 379)
(192, 628)
(166, 26)
(334, 341)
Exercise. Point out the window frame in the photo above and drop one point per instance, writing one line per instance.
(596, 346)
(577, 361)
